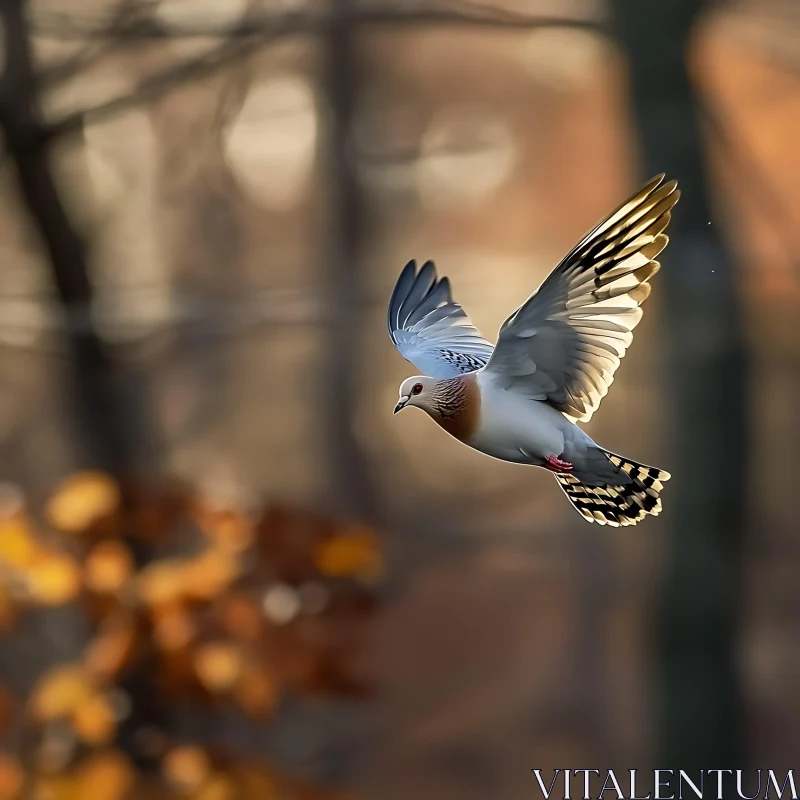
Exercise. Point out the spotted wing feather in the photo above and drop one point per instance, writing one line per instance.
(431, 330)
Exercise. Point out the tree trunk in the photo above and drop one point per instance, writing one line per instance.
(110, 429)
(352, 488)
(698, 696)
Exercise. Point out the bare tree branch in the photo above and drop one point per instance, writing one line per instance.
(297, 22)
(94, 50)
(159, 84)
(254, 32)
(66, 69)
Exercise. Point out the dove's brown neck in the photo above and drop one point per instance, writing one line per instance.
(456, 406)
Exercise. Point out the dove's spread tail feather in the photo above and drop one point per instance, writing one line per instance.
(623, 504)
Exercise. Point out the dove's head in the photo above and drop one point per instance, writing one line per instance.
(416, 391)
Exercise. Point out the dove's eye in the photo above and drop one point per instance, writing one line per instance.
(417, 388)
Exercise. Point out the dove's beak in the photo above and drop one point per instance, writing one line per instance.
(401, 403)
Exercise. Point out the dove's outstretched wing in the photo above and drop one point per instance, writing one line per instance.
(564, 344)
(429, 329)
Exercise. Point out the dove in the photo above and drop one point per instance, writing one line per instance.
(554, 361)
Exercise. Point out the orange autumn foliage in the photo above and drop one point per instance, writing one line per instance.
(203, 605)
(84, 503)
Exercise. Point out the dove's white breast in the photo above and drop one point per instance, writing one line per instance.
(514, 428)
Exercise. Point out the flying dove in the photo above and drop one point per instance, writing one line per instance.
(554, 360)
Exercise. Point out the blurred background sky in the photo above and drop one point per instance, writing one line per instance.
(205, 205)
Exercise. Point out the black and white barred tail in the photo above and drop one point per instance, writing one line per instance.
(624, 504)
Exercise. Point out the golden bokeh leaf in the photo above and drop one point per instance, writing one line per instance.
(161, 583)
(105, 776)
(81, 501)
(186, 768)
(18, 546)
(113, 646)
(354, 554)
(94, 720)
(207, 575)
(173, 626)
(108, 567)
(53, 579)
(218, 665)
(60, 691)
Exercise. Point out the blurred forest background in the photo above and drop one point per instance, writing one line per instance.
(226, 570)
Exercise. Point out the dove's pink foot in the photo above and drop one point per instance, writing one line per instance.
(555, 464)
